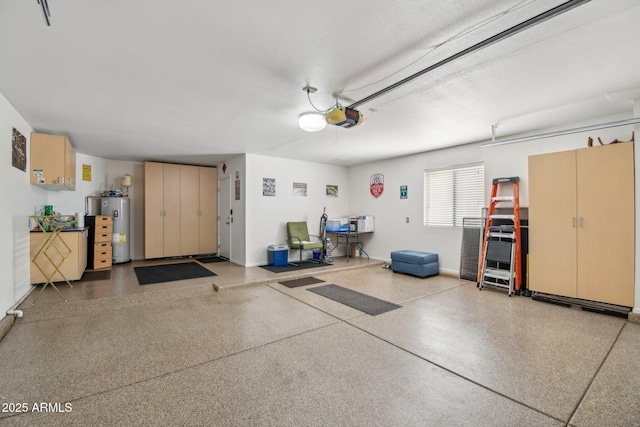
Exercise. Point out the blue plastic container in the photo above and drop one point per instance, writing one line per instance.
(278, 255)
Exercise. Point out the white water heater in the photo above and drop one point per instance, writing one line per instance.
(118, 209)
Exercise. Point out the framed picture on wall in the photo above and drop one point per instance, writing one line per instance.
(19, 151)
(331, 191)
(269, 187)
(300, 189)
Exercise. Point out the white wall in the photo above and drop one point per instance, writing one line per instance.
(266, 217)
(18, 199)
(390, 212)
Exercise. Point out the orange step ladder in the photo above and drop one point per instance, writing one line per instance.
(500, 259)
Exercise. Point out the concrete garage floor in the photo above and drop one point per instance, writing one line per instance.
(258, 353)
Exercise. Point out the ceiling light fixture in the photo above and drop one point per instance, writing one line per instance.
(311, 121)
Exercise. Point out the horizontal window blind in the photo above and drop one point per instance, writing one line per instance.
(452, 194)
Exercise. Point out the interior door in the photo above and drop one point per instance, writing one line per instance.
(226, 218)
(606, 224)
(553, 223)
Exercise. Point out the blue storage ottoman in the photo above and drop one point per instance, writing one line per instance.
(421, 264)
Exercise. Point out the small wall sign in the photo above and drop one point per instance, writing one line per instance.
(403, 191)
(86, 172)
(376, 185)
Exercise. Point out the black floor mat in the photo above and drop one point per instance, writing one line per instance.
(210, 259)
(171, 272)
(301, 282)
(365, 303)
(289, 267)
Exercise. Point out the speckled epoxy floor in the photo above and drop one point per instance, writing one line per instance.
(258, 353)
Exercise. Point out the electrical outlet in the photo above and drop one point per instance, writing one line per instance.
(407, 220)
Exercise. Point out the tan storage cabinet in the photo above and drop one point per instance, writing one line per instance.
(162, 210)
(100, 235)
(180, 210)
(72, 268)
(190, 205)
(581, 224)
(199, 210)
(53, 162)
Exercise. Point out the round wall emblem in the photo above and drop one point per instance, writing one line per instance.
(376, 185)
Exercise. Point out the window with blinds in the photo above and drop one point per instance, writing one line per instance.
(452, 194)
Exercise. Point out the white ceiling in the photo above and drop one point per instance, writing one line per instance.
(201, 81)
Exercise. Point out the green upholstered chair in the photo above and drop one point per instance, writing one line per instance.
(298, 238)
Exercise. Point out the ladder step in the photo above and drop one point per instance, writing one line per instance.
(497, 274)
(503, 199)
(511, 236)
(502, 228)
(497, 216)
(497, 285)
(511, 179)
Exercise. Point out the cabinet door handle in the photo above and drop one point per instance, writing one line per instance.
(573, 221)
(581, 222)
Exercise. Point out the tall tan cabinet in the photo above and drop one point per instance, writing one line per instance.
(581, 224)
(199, 203)
(180, 210)
(162, 210)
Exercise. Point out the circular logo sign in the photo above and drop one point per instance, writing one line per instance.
(376, 185)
